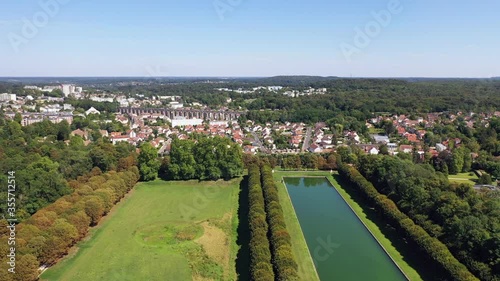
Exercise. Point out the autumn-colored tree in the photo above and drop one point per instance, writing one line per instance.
(94, 208)
(26, 268)
(80, 221)
(43, 219)
(108, 197)
(3, 227)
(64, 230)
(125, 163)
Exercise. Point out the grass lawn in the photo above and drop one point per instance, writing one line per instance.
(163, 231)
(375, 228)
(375, 131)
(463, 178)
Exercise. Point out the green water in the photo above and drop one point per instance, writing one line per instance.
(340, 245)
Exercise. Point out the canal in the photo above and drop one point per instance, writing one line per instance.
(340, 245)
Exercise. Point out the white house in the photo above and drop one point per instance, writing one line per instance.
(440, 147)
(374, 151)
(314, 148)
(92, 110)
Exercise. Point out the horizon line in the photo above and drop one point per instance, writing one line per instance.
(273, 76)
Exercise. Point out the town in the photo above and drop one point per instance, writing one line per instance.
(136, 119)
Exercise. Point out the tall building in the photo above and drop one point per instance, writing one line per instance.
(68, 89)
(7, 97)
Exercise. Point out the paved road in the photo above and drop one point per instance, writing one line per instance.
(307, 140)
(258, 143)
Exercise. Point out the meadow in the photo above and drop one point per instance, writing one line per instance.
(468, 178)
(161, 231)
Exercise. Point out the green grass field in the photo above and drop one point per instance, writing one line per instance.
(299, 243)
(162, 231)
(463, 178)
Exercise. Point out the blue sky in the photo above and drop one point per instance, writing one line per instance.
(250, 38)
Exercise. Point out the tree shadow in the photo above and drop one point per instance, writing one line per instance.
(411, 253)
(243, 241)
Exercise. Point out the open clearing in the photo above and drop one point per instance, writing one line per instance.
(469, 178)
(164, 231)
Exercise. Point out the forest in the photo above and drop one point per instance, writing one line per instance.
(465, 220)
(45, 158)
(62, 188)
(418, 238)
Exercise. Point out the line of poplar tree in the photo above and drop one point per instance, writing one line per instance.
(261, 268)
(284, 262)
(434, 248)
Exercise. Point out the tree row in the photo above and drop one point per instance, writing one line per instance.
(285, 265)
(435, 250)
(261, 268)
(466, 220)
(49, 234)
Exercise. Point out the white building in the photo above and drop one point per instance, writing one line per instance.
(392, 147)
(219, 123)
(68, 89)
(440, 147)
(274, 88)
(176, 105)
(99, 99)
(381, 139)
(52, 108)
(92, 110)
(7, 97)
(32, 88)
(182, 121)
(51, 88)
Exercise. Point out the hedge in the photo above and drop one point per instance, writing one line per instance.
(261, 268)
(285, 266)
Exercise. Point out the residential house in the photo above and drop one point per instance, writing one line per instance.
(92, 110)
(411, 137)
(406, 148)
(314, 148)
(83, 134)
(440, 147)
(374, 151)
